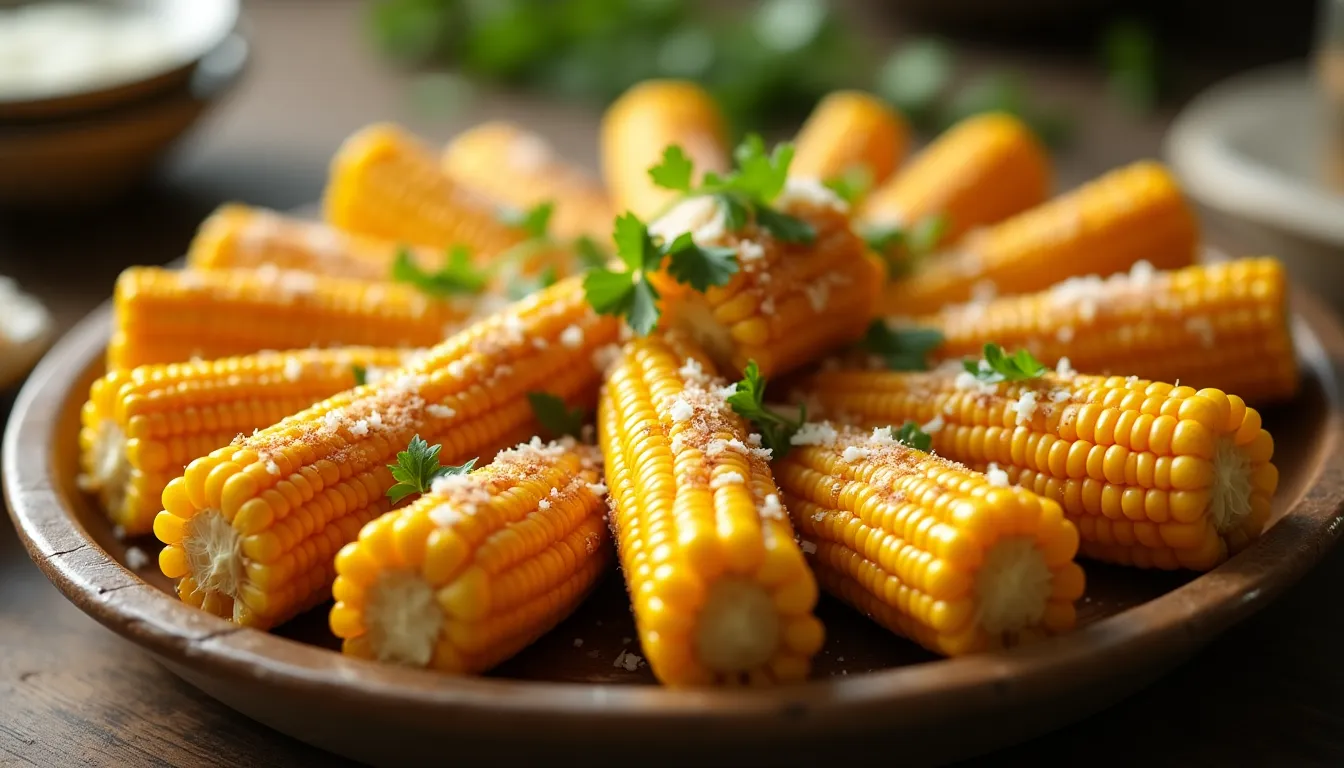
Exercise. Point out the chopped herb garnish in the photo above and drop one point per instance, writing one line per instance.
(749, 403)
(556, 417)
(629, 293)
(913, 436)
(535, 221)
(744, 192)
(458, 276)
(901, 247)
(361, 375)
(851, 185)
(522, 286)
(997, 366)
(903, 349)
(590, 254)
(418, 467)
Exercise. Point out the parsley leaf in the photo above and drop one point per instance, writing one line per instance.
(521, 285)
(418, 467)
(790, 229)
(628, 294)
(535, 220)
(674, 172)
(361, 375)
(700, 267)
(926, 234)
(997, 366)
(914, 437)
(736, 213)
(590, 254)
(634, 245)
(556, 417)
(760, 175)
(748, 401)
(902, 248)
(851, 185)
(903, 349)
(456, 277)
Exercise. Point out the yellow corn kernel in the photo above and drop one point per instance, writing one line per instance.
(517, 168)
(1136, 213)
(1152, 475)
(1223, 325)
(981, 171)
(140, 427)
(467, 394)
(639, 125)
(533, 543)
(386, 183)
(926, 547)
(851, 131)
(788, 302)
(166, 315)
(720, 590)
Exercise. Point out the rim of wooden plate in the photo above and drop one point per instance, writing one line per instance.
(1171, 625)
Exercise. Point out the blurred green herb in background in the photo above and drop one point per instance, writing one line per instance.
(767, 64)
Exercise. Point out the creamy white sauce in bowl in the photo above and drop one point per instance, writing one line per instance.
(56, 48)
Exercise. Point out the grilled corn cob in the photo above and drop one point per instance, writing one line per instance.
(788, 302)
(251, 529)
(851, 131)
(639, 125)
(165, 316)
(1222, 325)
(982, 170)
(1135, 213)
(926, 547)
(1153, 475)
(141, 427)
(720, 590)
(481, 566)
(387, 184)
(518, 168)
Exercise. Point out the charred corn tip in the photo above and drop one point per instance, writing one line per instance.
(847, 130)
(251, 529)
(480, 566)
(1153, 475)
(927, 547)
(719, 587)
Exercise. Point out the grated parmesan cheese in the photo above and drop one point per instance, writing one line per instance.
(727, 478)
(681, 410)
(598, 489)
(702, 216)
(440, 411)
(933, 425)
(749, 251)
(272, 467)
(814, 433)
(544, 504)
(808, 193)
(1064, 368)
(1025, 407)
(606, 356)
(996, 476)
(572, 337)
(772, 509)
(808, 547)
(854, 453)
(360, 428)
(293, 368)
(882, 436)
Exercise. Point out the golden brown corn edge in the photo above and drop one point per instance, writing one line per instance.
(1224, 325)
(719, 587)
(142, 426)
(981, 171)
(167, 315)
(851, 131)
(519, 169)
(480, 567)
(252, 528)
(1135, 213)
(926, 547)
(1153, 475)
(639, 125)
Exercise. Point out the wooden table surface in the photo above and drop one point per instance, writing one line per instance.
(1270, 692)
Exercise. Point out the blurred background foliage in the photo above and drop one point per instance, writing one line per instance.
(767, 62)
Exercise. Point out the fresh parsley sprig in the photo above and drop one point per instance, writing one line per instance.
(418, 467)
(749, 402)
(901, 247)
(457, 277)
(746, 192)
(903, 349)
(911, 435)
(535, 221)
(629, 294)
(851, 185)
(557, 418)
(997, 366)
(361, 375)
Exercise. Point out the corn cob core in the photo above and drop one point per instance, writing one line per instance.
(788, 302)
(1153, 475)
(1136, 213)
(252, 528)
(140, 427)
(481, 566)
(719, 588)
(641, 123)
(167, 315)
(850, 130)
(1223, 325)
(519, 169)
(926, 547)
(981, 171)
(386, 183)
